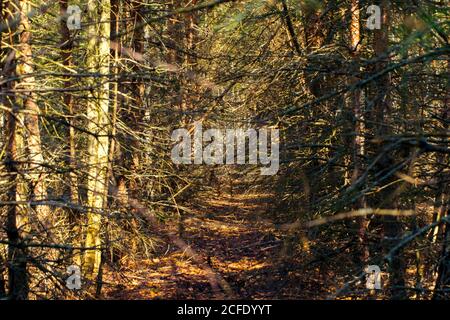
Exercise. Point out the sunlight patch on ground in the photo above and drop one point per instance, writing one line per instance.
(245, 264)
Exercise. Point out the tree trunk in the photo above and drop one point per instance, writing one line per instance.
(97, 52)
(359, 131)
(71, 178)
(175, 54)
(25, 70)
(442, 198)
(443, 277)
(67, 59)
(17, 220)
(392, 227)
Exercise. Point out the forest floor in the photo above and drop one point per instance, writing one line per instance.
(238, 242)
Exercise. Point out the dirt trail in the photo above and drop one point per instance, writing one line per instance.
(232, 236)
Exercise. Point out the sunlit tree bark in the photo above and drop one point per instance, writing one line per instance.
(67, 59)
(97, 52)
(66, 48)
(21, 125)
(27, 97)
(359, 130)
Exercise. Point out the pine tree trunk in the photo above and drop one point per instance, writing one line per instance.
(67, 60)
(392, 227)
(66, 48)
(359, 130)
(27, 83)
(97, 52)
(17, 220)
(443, 277)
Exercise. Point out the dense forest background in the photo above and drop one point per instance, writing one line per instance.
(87, 183)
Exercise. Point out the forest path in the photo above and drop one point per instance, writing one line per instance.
(232, 236)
